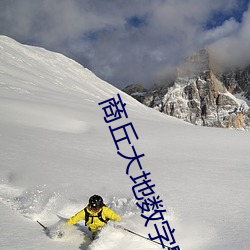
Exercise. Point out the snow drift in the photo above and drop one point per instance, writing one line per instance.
(57, 150)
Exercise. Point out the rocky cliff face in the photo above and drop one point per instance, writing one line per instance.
(200, 96)
(237, 81)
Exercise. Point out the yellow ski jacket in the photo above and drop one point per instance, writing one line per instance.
(94, 223)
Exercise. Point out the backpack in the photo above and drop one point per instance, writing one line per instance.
(99, 215)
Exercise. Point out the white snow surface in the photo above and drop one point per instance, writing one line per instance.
(56, 151)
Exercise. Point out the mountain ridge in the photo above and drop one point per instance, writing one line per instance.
(201, 95)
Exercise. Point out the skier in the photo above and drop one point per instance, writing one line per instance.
(95, 214)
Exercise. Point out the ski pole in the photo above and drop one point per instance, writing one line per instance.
(146, 238)
(45, 228)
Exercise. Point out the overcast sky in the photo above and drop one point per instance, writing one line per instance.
(131, 41)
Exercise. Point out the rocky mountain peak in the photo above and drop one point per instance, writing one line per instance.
(202, 97)
(196, 64)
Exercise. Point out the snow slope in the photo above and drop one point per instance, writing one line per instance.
(56, 150)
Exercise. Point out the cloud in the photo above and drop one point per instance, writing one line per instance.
(228, 28)
(126, 42)
(233, 49)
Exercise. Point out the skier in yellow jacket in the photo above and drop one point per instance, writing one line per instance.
(96, 215)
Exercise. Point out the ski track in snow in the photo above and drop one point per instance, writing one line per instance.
(39, 204)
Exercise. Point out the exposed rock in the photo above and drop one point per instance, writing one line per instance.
(237, 81)
(201, 97)
(137, 91)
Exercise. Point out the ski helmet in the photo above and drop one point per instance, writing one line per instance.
(95, 202)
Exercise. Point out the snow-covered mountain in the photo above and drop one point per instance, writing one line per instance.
(56, 150)
(201, 95)
(237, 81)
